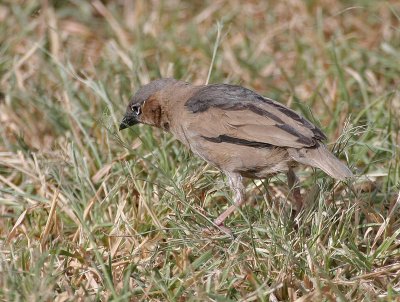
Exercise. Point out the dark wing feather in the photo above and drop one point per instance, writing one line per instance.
(238, 113)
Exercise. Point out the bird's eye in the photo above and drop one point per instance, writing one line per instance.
(136, 109)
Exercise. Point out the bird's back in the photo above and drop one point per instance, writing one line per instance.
(228, 124)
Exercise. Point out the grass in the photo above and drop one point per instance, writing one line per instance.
(88, 213)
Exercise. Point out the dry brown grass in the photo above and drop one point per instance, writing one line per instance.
(87, 214)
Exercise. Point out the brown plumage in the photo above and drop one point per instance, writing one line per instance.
(235, 129)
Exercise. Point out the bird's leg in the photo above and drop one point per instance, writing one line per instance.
(236, 184)
(293, 183)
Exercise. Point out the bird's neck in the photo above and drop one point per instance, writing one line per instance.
(173, 105)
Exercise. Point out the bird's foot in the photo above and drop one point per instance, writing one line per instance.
(220, 227)
(225, 230)
(298, 200)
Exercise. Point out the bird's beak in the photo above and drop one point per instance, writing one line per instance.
(127, 121)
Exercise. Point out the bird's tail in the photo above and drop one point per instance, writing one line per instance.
(322, 158)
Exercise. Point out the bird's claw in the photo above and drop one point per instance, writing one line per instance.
(220, 228)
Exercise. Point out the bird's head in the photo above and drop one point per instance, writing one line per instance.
(146, 106)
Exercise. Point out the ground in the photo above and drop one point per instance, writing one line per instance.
(88, 213)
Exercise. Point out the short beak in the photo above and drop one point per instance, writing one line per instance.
(127, 121)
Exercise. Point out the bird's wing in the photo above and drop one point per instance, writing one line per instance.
(233, 114)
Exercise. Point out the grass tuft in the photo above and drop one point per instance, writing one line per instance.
(88, 213)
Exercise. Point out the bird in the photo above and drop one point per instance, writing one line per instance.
(237, 130)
